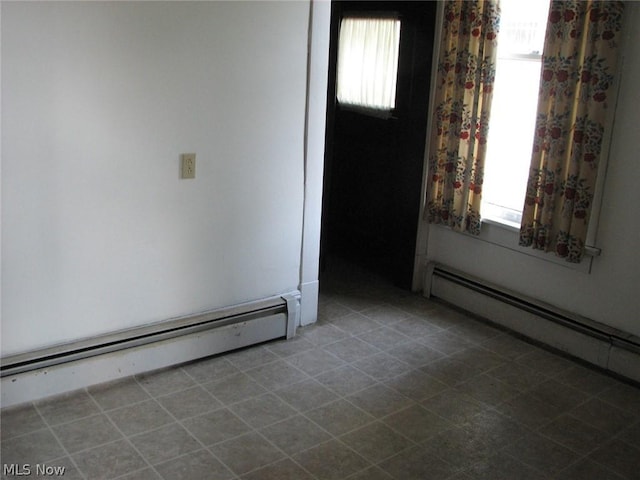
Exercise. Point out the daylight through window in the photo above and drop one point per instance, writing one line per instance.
(368, 62)
(513, 110)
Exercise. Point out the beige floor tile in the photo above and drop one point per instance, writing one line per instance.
(139, 418)
(379, 400)
(234, 388)
(67, 407)
(282, 470)
(262, 411)
(371, 473)
(189, 403)
(503, 466)
(165, 443)
(35, 447)
(19, 420)
(109, 461)
(201, 465)
(216, 426)
(417, 463)
(306, 395)
(295, 434)
(603, 416)
(276, 374)
(376, 442)
(292, 346)
(331, 460)
(251, 357)
(415, 354)
(623, 396)
(315, 361)
(165, 381)
(546, 455)
(381, 366)
(86, 433)
(246, 453)
(417, 385)
(119, 393)
(586, 469)
(453, 405)
(620, 457)
(345, 380)
(417, 423)
(354, 323)
(339, 417)
(209, 369)
(574, 434)
(352, 349)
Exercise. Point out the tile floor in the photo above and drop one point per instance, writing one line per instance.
(387, 385)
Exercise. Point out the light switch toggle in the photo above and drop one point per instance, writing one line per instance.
(188, 165)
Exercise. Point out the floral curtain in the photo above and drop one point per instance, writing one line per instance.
(466, 73)
(578, 65)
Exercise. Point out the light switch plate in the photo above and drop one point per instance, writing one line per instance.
(188, 165)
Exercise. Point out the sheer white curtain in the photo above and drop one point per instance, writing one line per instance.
(368, 62)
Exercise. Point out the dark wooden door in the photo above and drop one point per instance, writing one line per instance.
(373, 165)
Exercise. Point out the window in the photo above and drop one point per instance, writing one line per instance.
(513, 110)
(368, 62)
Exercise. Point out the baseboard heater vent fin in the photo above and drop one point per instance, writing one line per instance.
(571, 333)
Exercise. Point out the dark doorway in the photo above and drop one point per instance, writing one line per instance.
(374, 165)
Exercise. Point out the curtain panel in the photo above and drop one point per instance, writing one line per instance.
(578, 66)
(464, 86)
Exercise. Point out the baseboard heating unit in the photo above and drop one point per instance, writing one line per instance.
(580, 337)
(37, 374)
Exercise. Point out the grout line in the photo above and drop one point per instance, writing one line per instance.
(126, 437)
(69, 455)
(179, 423)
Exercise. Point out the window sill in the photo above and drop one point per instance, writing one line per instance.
(500, 223)
(496, 218)
(506, 235)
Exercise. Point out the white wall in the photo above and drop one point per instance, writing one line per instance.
(99, 100)
(610, 294)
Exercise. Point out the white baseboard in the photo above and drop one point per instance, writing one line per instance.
(39, 374)
(625, 363)
(41, 383)
(309, 302)
(597, 344)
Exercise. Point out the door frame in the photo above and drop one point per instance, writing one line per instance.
(422, 236)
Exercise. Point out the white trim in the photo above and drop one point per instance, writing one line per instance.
(309, 303)
(315, 125)
(422, 235)
(501, 223)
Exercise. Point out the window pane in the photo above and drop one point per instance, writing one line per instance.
(368, 62)
(522, 26)
(513, 115)
(513, 110)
